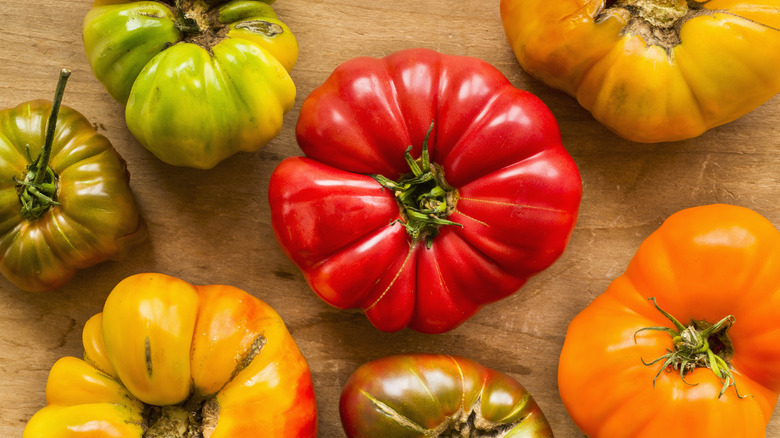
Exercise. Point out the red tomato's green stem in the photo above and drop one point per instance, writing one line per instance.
(693, 348)
(38, 190)
(424, 196)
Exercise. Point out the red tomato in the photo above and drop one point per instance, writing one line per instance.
(496, 201)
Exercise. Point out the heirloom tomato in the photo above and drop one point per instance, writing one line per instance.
(436, 395)
(652, 70)
(687, 341)
(201, 79)
(431, 186)
(168, 359)
(65, 198)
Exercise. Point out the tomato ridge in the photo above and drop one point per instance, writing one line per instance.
(196, 416)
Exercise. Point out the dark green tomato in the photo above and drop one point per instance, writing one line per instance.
(93, 216)
(432, 395)
(200, 82)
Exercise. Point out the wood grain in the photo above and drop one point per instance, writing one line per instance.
(214, 226)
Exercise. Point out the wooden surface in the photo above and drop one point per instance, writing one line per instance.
(214, 226)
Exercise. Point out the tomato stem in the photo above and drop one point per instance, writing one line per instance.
(184, 22)
(38, 190)
(693, 349)
(424, 196)
(191, 419)
(659, 13)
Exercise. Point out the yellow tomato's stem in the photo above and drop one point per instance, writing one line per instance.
(659, 13)
(193, 418)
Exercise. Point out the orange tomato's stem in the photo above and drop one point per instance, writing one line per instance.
(693, 349)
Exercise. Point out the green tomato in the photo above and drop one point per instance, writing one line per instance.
(200, 81)
(65, 198)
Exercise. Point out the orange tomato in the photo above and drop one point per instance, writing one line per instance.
(165, 355)
(705, 266)
(652, 70)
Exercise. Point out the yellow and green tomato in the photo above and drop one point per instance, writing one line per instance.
(200, 81)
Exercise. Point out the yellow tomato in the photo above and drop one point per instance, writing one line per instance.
(652, 70)
(167, 358)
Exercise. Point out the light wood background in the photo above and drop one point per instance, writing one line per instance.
(214, 226)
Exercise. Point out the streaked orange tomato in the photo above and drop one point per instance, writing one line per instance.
(165, 355)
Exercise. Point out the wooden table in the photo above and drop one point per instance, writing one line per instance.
(214, 226)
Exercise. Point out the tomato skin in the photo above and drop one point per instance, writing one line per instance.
(97, 218)
(518, 190)
(702, 264)
(723, 66)
(163, 342)
(411, 395)
(194, 100)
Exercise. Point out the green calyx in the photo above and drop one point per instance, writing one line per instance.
(38, 189)
(698, 345)
(425, 198)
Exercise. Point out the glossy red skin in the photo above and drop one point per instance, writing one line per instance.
(519, 190)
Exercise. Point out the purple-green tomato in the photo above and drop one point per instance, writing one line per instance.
(435, 395)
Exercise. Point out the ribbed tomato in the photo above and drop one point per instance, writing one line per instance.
(437, 396)
(431, 186)
(166, 358)
(687, 341)
(652, 70)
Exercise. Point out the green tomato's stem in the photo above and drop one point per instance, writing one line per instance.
(43, 159)
(184, 23)
(38, 189)
(424, 196)
(692, 349)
